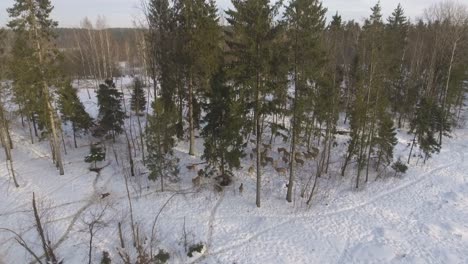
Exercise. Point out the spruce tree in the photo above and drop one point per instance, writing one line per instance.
(138, 99)
(111, 116)
(161, 40)
(30, 20)
(395, 51)
(425, 126)
(160, 141)
(200, 37)
(250, 40)
(223, 126)
(96, 154)
(369, 115)
(305, 22)
(72, 110)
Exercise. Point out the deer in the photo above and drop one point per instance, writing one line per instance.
(192, 167)
(251, 170)
(269, 159)
(299, 161)
(197, 181)
(298, 155)
(281, 150)
(281, 171)
(310, 155)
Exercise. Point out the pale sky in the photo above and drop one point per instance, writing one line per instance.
(121, 13)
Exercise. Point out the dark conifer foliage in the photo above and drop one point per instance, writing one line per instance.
(138, 100)
(160, 141)
(111, 116)
(72, 110)
(222, 126)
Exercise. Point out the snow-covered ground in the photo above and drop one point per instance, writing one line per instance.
(421, 217)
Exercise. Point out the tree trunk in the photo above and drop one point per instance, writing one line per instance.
(445, 113)
(411, 150)
(258, 134)
(190, 113)
(295, 126)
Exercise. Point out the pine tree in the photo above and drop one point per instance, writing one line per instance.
(72, 109)
(138, 100)
(305, 21)
(111, 115)
(160, 142)
(30, 20)
(223, 126)
(250, 40)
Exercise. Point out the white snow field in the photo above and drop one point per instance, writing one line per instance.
(420, 217)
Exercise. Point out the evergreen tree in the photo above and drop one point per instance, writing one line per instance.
(385, 141)
(160, 142)
(26, 85)
(111, 115)
(72, 109)
(305, 21)
(138, 100)
(165, 43)
(395, 51)
(222, 131)
(31, 22)
(106, 258)
(369, 117)
(425, 126)
(96, 154)
(200, 38)
(161, 39)
(251, 39)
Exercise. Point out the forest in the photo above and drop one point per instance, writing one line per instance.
(257, 91)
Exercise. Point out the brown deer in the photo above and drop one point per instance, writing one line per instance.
(298, 155)
(192, 167)
(251, 170)
(310, 155)
(266, 146)
(197, 181)
(281, 150)
(299, 161)
(281, 171)
(269, 160)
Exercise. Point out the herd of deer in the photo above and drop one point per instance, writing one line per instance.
(299, 158)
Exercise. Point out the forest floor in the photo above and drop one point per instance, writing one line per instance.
(420, 217)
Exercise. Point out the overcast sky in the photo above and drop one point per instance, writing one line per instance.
(121, 13)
